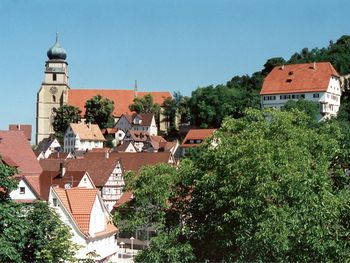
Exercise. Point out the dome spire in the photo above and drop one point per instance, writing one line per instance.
(56, 51)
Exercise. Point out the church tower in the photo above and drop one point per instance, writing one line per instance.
(53, 91)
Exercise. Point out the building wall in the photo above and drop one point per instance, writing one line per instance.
(52, 94)
(329, 101)
(19, 194)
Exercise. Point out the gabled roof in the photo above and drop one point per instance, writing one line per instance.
(26, 128)
(45, 144)
(297, 78)
(124, 146)
(78, 202)
(132, 161)
(14, 145)
(159, 143)
(53, 178)
(146, 118)
(196, 134)
(88, 131)
(99, 169)
(60, 155)
(122, 98)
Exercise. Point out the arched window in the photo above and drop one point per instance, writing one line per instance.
(53, 98)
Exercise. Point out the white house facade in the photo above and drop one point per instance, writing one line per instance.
(318, 82)
(83, 137)
(83, 211)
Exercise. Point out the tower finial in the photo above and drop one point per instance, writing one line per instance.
(135, 89)
(56, 36)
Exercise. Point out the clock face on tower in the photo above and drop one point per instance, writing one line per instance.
(53, 90)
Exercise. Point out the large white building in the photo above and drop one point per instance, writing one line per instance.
(317, 82)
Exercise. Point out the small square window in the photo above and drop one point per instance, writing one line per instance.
(22, 190)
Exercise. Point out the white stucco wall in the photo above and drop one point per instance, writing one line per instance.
(18, 195)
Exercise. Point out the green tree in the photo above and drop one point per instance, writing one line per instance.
(7, 182)
(271, 63)
(145, 104)
(157, 205)
(33, 233)
(311, 108)
(278, 195)
(63, 116)
(99, 111)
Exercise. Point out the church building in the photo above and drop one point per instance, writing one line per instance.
(55, 92)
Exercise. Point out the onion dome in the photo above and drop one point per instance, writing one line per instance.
(56, 51)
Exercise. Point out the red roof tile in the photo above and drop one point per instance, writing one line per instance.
(122, 98)
(196, 134)
(297, 78)
(126, 197)
(79, 202)
(133, 161)
(26, 128)
(14, 145)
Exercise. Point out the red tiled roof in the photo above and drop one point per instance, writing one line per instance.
(297, 78)
(79, 202)
(58, 155)
(146, 118)
(122, 98)
(126, 197)
(51, 164)
(26, 128)
(14, 145)
(53, 178)
(132, 161)
(99, 169)
(196, 134)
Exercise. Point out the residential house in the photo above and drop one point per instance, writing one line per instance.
(318, 82)
(106, 174)
(194, 138)
(83, 211)
(83, 137)
(142, 122)
(140, 140)
(46, 147)
(126, 147)
(61, 155)
(16, 152)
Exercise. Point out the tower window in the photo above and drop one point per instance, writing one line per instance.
(53, 98)
(54, 76)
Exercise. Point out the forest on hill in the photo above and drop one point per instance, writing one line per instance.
(208, 106)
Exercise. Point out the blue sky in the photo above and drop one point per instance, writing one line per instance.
(174, 45)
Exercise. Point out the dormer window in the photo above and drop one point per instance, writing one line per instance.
(289, 80)
(290, 73)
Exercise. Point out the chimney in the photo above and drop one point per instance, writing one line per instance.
(314, 66)
(89, 125)
(282, 67)
(107, 154)
(62, 170)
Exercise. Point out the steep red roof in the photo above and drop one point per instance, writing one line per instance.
(26, 128)
(14, 145)
(122, 98)
(79, 203)
(196, 134)
(297, 78)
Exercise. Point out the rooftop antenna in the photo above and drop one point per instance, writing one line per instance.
(135, 89)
